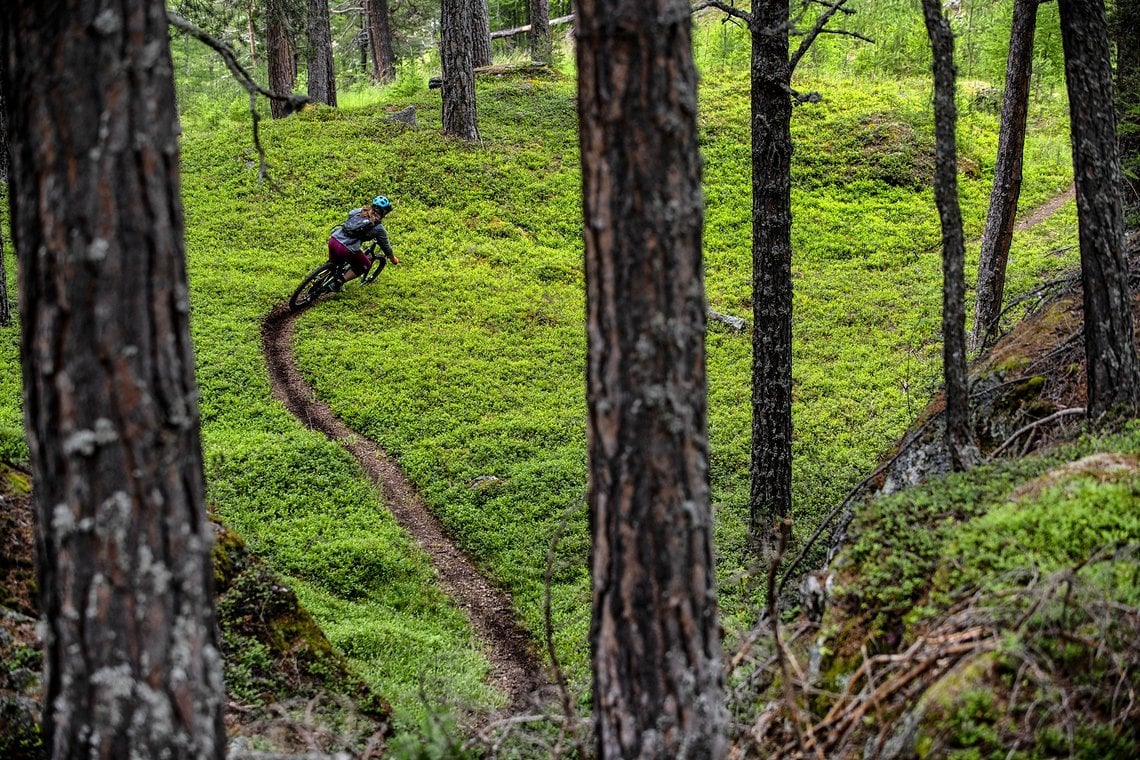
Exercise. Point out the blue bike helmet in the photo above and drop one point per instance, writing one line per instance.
(381, 202)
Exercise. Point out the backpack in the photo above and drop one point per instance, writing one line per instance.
(357, 226)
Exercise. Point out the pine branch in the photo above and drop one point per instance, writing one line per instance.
(726, 8)
(244, 78)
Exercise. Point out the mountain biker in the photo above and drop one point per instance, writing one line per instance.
(363, 224)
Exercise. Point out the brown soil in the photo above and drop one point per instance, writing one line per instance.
(515, 668)
(1041, 213)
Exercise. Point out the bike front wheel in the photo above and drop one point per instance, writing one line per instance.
(316, 284)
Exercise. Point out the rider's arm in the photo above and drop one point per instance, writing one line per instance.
(380, 235)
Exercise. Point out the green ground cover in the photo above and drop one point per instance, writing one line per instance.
(468, 359)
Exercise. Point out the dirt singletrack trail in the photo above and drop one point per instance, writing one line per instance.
(1047, 209)
(515, 669)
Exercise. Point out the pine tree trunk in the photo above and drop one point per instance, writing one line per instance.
(655, 639)
(459, 114)
(480, 20)
(131, 660)
(770, 497)
(958, 440)
(279, 54)
(541, 47)
(322, 75)
(998, 234)
(252, 37)
(380, 40)
(1128, 101)
(1113, 372)
(5, 304)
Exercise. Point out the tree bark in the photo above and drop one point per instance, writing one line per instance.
(541, 47)
(460, 117)
(279, 55)
(958, 439)
(1127, 27)
(655, 639)
(1113, 371)
(480, 20)
(380, 41)
(770, 497)
(131, 660)
(322, 74)
(252, 37)
(5, 304)
(998, 234)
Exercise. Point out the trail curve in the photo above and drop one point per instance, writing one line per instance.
(515, 669)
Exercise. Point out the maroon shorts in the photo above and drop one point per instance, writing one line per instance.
(359, 260)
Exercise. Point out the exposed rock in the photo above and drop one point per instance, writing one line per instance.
(405, 116)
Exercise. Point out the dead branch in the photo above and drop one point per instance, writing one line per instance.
(810, 36)
(726, 8)
(1033, 426)
(501, 69)
(526, 27)
(736, 323)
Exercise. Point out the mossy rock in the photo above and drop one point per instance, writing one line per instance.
(272, 647)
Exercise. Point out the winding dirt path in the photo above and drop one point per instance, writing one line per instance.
(515, 669)
(1046, 210)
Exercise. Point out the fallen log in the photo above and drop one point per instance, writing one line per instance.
(526, 28)
(736, 323)
(502, 69)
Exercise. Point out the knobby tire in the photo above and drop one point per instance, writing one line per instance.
(315, 285)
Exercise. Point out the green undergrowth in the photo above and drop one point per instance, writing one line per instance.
(912, 552)
(466, 362)
(1041, 553)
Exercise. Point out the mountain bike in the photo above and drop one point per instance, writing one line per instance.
(328, 276)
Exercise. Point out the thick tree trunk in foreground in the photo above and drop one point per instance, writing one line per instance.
(480, 21)
(958, 439)
(770, 498)
(1113, 372)
(380, 41)
(279, 56)
(541, 46)
(656, 646)
(322, 75)
(460, 117)
(1007, 172)
(132, 667)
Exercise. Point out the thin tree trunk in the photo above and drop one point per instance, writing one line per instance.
(1128, 99)
(131, 660)
(459, 113)
(998, 234)
(770, 470)
(5, 304)
(480, 20)
(279, 55)
(1113, 371)
(541, 47)
(958, 440)
(380, 39)
(322, 75)
(655, 640)
(252, 39)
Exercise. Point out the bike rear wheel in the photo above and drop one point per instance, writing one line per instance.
(316, 284)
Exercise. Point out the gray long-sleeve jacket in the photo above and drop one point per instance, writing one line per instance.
(377, 233)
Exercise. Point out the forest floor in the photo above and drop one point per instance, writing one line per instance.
(515, 667)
